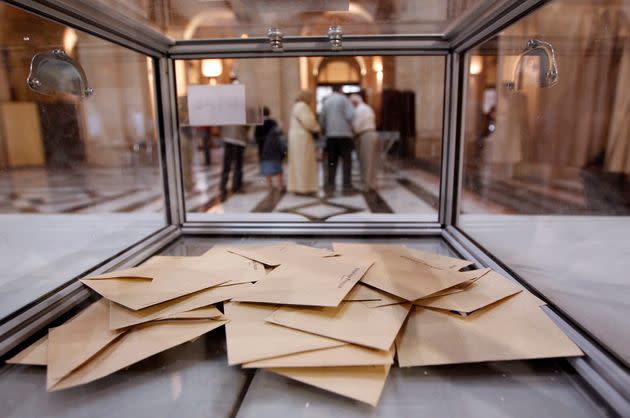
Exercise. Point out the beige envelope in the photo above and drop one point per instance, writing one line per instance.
(512, 329)
(350, 322)
(245, 270)
(430, 259)
(170, 279)
(242, 270)
(387, 299)
(362, 293)
(343, 356)
(121, 317)
(364, 383)
(438, 261)
(207, 312)
(489, 289)
(384, 298)
(250, 338)
(282, 252)
(309, 281)
(135, 345)
(35, 354)
(75, 342)
(396, 271)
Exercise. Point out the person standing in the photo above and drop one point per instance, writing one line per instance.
(366, 141)
(302, 151)
(271, 149)
(261, 131)
(335, 120)
(234, 143)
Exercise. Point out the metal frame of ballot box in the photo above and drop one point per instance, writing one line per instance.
(603, 374)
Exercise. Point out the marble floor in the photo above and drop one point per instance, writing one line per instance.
(406, 189)
(138, 190)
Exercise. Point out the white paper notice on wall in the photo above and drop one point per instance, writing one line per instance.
(218, 105)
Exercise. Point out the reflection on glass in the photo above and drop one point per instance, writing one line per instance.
(253, 18)
(79, 177)
(546, 182)
(390, 137)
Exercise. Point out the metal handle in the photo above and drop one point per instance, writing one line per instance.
(54, 72)
(548, 70)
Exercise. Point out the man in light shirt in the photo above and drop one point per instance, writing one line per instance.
(366, 140)
(335, 120)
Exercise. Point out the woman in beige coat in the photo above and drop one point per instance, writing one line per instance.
(302, 152)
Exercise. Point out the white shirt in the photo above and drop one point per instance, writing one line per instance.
(363, 119)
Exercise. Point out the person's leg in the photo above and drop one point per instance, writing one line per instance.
(332, 147)
(280, 181)
(237, 179)
(370, 159)
(206, 146)
(227, 162)
(260, 150)
(270, 182)
(346, 159)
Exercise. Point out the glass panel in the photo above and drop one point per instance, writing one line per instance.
(194, 19)
(394, 162)
(546, 163)
(79, 176)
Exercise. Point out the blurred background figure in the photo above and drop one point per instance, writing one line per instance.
(261, 131)
(366, 141)
(271, 149)
(234, 142)
(302, 152)
(335, 120)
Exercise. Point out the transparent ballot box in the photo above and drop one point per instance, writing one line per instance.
(364, 208)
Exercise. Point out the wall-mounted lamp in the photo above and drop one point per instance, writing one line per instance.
(211, 68)
(377, 66)
(476, 65)
(276, 39)
(70, 39)
(335, 35)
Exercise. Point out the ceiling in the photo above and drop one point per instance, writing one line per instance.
(204, 19)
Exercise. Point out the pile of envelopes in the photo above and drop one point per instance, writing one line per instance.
(337, 320)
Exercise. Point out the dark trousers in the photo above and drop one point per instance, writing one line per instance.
(206, 147)
(337, 147)
(232, 154)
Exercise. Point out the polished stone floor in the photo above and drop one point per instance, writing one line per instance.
(407, 188)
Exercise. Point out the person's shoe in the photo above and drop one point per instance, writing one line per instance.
(224, 196)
